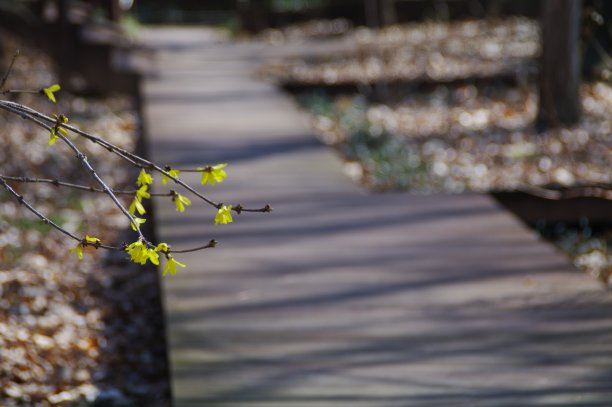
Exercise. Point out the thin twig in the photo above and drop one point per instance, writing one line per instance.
(209, 245)
(83, 158)
(18, 91)
(57, 182)
(49, 221)
(10, 68)
(212, 243)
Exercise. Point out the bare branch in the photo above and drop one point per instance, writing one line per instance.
(75, 186)
(49, 221)
(10, 68)
(133, 158)
(209, 245)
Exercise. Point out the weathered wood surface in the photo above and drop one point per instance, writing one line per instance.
(341, 297)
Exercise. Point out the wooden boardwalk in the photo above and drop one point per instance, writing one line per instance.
(341, 297)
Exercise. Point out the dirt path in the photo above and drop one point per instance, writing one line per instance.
(344, 298)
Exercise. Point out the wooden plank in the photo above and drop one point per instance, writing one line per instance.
(341, 297)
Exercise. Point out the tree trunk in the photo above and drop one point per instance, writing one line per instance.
(387, 12)
(113, 11)
(371, 10)
(253, 17)
(560, 64)
(379, 13)
(64, 42)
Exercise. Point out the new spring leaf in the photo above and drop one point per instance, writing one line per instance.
(50, 92)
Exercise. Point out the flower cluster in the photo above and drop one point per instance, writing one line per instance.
(171, 265)
(136, 204)
(139, 253)
(224, 215)
(144, 178)
(181, 201)
(213, 174)
(142, 251)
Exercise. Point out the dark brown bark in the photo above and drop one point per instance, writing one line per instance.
(253, 17)
(372, 18)
(379, 13)
(560, 64)
(388, 13)
(64, 51)
(113, 11)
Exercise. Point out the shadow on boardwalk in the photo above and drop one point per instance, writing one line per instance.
(428, 367)
(340, 297)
